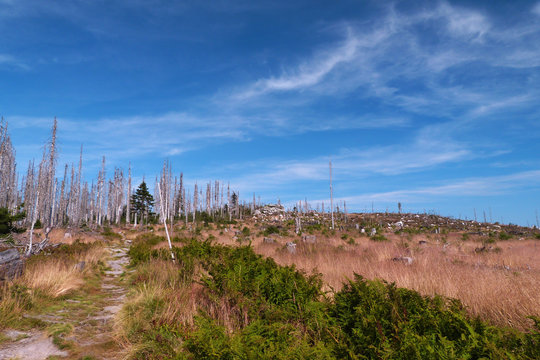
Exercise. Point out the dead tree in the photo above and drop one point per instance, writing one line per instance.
(331, 196)
(8, 171)
(128, 198)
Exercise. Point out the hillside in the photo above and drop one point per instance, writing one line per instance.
(417, 286)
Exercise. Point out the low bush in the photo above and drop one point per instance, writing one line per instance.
(271, 230)
(238, 305)
(141, 248)
(109, 234)
(378, 237)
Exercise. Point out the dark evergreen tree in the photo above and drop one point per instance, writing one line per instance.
(142, 201)
(7, 220)
(234, 200)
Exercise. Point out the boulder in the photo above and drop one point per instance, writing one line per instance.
(11, 264)
(404, 259)
(80, 266)
(291, 247)
(269, 240)
(310, 239)
(9, 255)
(373, 232)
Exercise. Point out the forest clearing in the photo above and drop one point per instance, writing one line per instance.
(221, 300)
(245, 180)
(107, 271)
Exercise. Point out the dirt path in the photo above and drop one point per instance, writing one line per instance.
(81, 326)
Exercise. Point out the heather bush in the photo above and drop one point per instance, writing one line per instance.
(248, 307)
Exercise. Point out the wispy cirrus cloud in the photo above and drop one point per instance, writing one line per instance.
(128, 138)
(536, 9)
(11, 61)
(350, 164)
(307, 74)
(397, 62)
(478, 186)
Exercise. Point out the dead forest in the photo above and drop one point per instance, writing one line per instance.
(73, 201)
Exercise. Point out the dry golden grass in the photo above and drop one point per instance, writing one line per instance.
(46, 277)
(160, 298)
(53, 278)
(57, 276)
(501, 287)
(498, 286)
(12, 305)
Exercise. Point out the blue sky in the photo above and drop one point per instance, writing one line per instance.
(433, 104)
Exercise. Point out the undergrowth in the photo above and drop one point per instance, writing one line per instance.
(48, 277)
(220, 302)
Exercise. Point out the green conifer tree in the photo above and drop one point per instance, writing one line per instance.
(142, 202)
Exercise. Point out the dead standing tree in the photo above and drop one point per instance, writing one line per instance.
(331, 195)
(8, 171)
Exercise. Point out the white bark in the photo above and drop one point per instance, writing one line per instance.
(331, 196)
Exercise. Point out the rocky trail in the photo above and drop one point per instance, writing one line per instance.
(81, 326)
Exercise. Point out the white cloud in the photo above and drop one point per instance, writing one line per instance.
(351, 164)
(9, 60)
(383, 59)
(307, 74)
(464, 22)
(480, 186)
(536, 9)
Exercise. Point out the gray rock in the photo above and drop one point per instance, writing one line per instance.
(269, 240)
(291, 247)
(9, 255)
(310, 239)
(373, 232)
(11, 264)
(80, 266)
(404, 259)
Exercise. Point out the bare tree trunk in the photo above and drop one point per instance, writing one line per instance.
(165, 222)
(331, 196)
(34, 214)
(128, 205)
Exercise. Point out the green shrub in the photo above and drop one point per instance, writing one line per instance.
(109, 234)
(379, 320)
(141, 248)
(271, 230)
(7, 220)
(378, 237)
(278, 312)
(504, 236)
